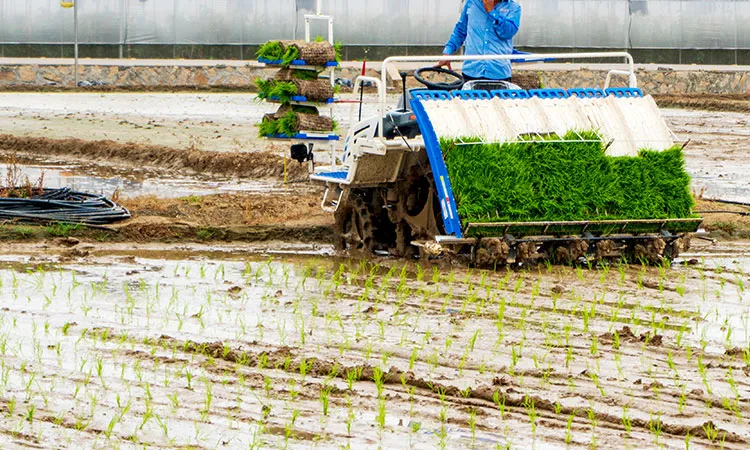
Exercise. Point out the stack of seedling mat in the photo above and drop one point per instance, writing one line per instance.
(568, 178)
(298, 88)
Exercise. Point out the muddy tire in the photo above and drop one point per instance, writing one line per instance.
(354, 227)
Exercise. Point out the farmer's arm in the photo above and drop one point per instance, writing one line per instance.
(506, 25)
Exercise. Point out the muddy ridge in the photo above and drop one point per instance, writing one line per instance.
(245, 165)
(286, 358)
(707, 102)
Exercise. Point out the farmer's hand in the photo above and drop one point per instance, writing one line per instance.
(444, 63)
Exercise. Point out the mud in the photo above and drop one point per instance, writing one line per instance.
(717, 151)
(201, 323)
(143, 347)
(255, 165)
(127, 182)
(706, 102)
(725, 221)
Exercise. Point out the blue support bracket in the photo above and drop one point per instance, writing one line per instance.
(548, 93)
(625, 92)
(439, 170)
(471, 95)
(431, 95)
(306, 137)
(520, 60)
(302, 99)
(510, 93)
(296, 62)
(587, 93)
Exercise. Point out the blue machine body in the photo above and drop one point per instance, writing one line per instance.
(451, 220)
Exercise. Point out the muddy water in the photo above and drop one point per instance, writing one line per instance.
(133, 182)
(241, 348)
(215, 122)
(718, 154)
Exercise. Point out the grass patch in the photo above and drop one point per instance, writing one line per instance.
(565, 181)
(62, 229)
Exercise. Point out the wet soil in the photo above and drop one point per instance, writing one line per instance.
(706, 102)
(201, 323)
(140, 347)
(191, 160)
(717, 151)
(725, 221)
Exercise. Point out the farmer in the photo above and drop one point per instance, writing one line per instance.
(486, 27)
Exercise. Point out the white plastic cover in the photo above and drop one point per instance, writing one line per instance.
(616, 24)
(631, 124)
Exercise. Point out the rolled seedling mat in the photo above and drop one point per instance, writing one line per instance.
(292, 74)
(284, 109)
(315, 90)
(274, 50)
(315, 53)
(319, 90)
(311, 122)
(291, 123)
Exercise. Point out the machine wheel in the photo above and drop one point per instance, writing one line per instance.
(648, 251)
(354, 227)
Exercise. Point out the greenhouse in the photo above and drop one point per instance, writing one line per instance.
(674, 31)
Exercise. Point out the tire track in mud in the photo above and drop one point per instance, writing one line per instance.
(503, 390)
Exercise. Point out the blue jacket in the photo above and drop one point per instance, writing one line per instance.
(486, 34)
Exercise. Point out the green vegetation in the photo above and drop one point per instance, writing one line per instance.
(286, 125)
(275, 51)
(550, 180)
(282, 91)
(271, 50)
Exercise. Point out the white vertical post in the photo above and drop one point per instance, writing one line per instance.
(75, 37)
(122, 26)
(319, 7)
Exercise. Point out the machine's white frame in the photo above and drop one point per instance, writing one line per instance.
(383, 82)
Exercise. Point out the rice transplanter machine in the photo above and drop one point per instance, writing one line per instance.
(390, 191)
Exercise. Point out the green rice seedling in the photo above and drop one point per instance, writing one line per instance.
(325, 393)
(380, 417)
(655, 425)
(472, 425)
(563, 191)
(711, 432)
(569, 429)
(627, 422)
(338, 49)
(271, 50)
(531, 413)
(499, 400)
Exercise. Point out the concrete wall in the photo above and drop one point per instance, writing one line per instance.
(654, 80)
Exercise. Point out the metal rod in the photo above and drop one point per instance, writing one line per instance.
(75, 45)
